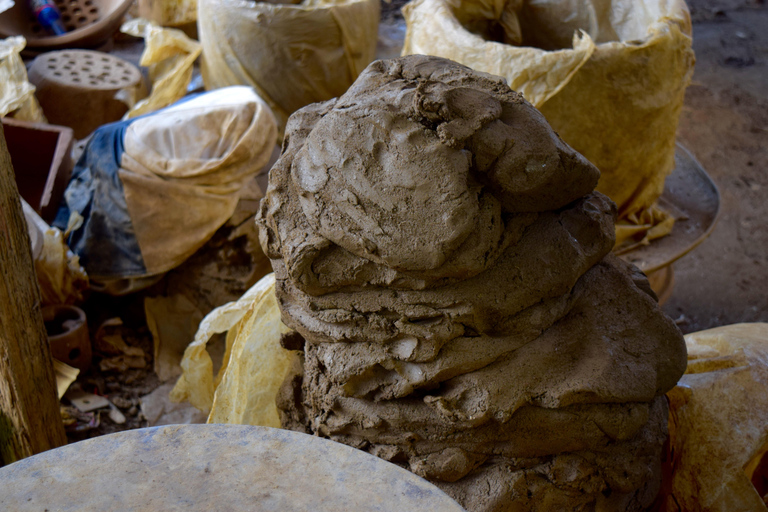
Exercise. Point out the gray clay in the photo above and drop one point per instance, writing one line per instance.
(445, 259)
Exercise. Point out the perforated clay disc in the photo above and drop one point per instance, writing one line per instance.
(86, 69)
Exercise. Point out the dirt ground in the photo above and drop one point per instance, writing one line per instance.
(725, 124)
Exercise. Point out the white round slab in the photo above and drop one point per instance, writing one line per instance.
(213, 468)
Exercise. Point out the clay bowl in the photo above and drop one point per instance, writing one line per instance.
(67, 330)
(89, 24)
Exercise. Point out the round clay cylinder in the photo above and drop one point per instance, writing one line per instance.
(77, 88)
(68, 334)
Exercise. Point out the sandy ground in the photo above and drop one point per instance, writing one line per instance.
(725, 124)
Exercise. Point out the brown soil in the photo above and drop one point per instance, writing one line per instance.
(725, 124)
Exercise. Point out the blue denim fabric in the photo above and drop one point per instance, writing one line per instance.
(105, 243)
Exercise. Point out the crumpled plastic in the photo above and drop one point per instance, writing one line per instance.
(168, 12)
(718, 423)
(172, 321)
(59, 275)
(609, 76)
(293, 55)
(62, 280)
(254, 367)
(169, 54)
(17, 95)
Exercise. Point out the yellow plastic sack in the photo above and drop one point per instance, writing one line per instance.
(169, 54)
(17, 95)
(254, 364)
(609, 76)
(718, 423)
(168, 13)
(293, 55)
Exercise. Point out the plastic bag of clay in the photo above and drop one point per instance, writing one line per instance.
(152, 190)
(254, 365)
(17, 95)
(293, 54)
(609, 76)
(61, 278)
(169, 54)
(718, 423)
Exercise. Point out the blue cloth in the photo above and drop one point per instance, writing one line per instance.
(106, 242)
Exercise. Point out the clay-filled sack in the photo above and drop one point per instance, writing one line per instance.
(609, 76)
(150, 191)
(292, 54)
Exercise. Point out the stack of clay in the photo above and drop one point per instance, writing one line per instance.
(443, 259)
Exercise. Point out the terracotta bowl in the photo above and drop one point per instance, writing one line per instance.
(89, 24)
(68, 334)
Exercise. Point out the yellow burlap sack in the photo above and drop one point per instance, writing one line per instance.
(254, 364)
(293, 55)
(609, 76)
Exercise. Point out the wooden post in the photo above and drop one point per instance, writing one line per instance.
(30, 421)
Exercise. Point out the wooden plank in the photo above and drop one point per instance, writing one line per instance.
(30, 421)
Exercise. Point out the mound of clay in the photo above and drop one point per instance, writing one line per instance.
(442, 258)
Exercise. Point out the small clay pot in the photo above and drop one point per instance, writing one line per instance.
(77, 88)
(68, 334)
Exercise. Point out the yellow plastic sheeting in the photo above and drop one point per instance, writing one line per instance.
(59, 275)
(62, 280)
(172, 321)
(293, 55)
(254, 364)
(609, 76)
(168, 12)
(169, 54)
(719, 422)
(17, 95)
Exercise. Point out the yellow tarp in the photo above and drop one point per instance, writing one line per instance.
(169, 54)
(254, 364)
(718, 422)
(17, 95)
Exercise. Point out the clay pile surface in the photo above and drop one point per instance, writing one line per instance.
(444, 263)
